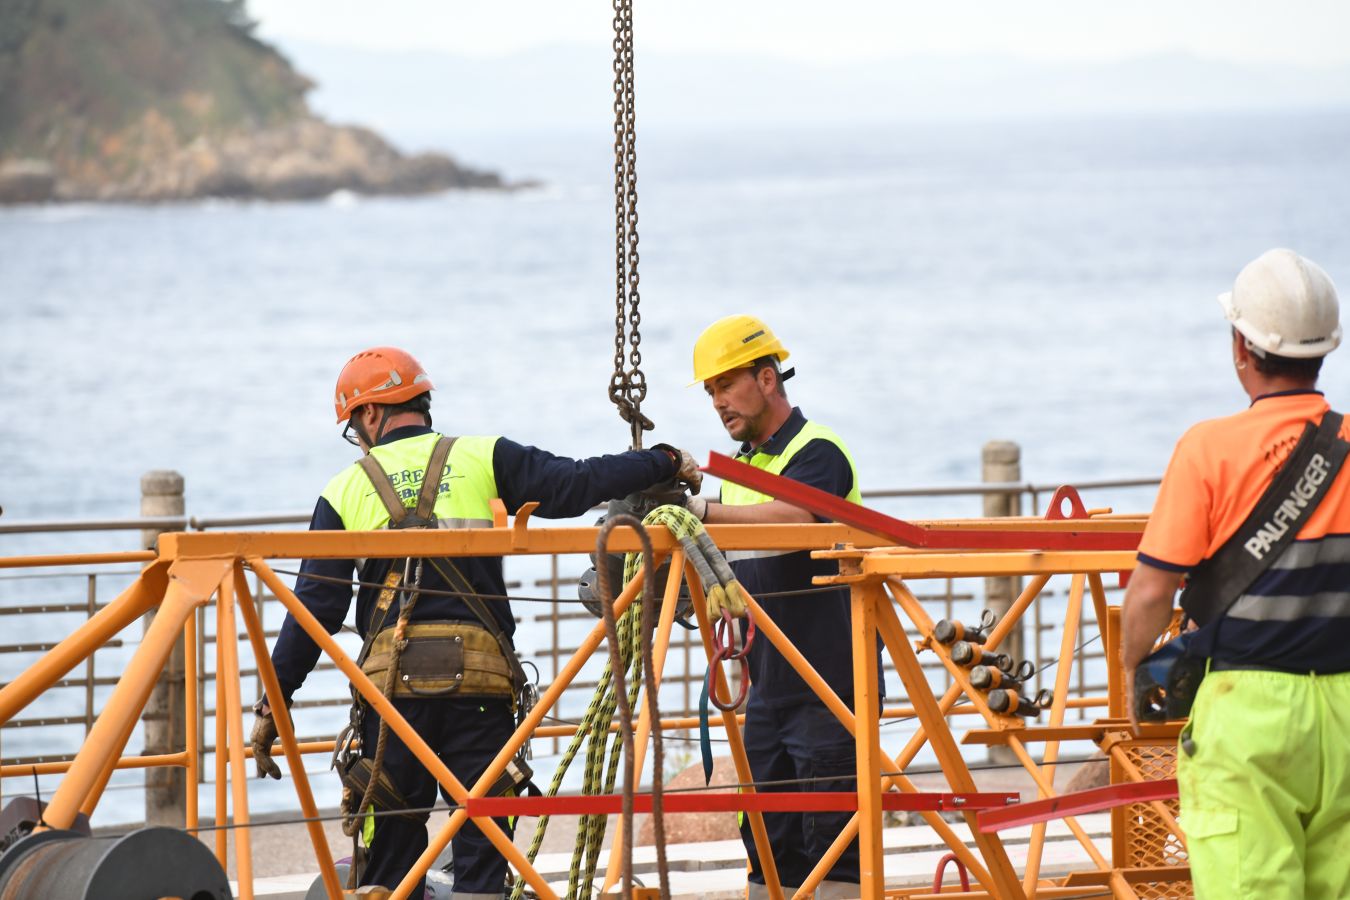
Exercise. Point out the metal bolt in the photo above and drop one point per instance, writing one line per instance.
(458, 639)
(459, 676)
(958, 801)
(405, 677)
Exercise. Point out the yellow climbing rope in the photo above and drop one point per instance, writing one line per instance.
(602, 756)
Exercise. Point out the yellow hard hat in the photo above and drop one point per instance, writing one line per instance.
(733, 343)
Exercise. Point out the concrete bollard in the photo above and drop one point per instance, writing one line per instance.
(165, 716)
(1001, 461)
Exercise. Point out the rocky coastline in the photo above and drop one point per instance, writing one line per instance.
(300, 160)
(154, 101)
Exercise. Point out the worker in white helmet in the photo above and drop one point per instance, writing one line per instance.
(792, 740)
(1261, 530)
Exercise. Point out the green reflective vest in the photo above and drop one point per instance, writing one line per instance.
(468, 484)
(738, 495)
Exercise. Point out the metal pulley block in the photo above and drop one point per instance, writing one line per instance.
(636, 505)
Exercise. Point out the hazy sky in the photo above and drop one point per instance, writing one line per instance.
(1313, 32)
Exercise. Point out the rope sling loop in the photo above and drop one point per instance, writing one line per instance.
(601, 768)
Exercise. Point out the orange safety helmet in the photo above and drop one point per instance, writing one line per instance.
(379, 375)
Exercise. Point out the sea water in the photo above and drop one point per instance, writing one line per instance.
(939, 285)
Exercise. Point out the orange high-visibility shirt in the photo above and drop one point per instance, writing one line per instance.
(1297, 613)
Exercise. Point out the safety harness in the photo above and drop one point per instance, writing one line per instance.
(1167, 679)
(428, 660)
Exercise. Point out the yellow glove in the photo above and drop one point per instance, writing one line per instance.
(725, 598)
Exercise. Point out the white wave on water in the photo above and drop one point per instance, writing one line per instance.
(343, 199)
(53, 213)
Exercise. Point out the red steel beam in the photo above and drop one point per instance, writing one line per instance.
(1077, 804)
(809, 801)
(903, 533)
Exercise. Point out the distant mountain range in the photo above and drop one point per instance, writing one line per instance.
(408, 93)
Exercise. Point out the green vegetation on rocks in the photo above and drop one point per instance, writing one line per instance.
(149, 100)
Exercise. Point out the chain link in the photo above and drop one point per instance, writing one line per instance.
(627, 386)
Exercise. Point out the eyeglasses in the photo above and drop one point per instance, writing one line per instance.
(349, 435)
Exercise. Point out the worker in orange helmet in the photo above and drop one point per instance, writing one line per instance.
(793, 741)
(456, 678)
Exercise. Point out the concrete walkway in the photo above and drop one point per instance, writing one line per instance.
(716, 870)
(284, 867)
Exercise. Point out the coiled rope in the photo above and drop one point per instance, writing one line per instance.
(633, 652)
(594, 726)
(625, 710)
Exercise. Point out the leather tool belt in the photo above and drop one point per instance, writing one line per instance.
(442, 659)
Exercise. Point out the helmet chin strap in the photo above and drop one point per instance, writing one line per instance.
(365, 436)
(355, 423)
(386, 412)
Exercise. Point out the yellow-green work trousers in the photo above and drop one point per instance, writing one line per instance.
(1264, 775)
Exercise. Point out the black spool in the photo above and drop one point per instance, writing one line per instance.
(969, 655)
(987, 677)
(946, 631)
(148, 863)
(1009, 702)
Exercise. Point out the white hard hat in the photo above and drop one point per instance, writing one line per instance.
(1285, 305)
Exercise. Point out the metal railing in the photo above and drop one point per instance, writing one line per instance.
(551, 629)
(1032, 491)
(191, 569)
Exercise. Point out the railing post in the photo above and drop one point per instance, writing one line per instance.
(1001, 461)
(165, 716)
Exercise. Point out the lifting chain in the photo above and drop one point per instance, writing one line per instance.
(627, 387)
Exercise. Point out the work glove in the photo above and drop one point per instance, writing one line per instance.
(264, 733)
(698, 506)
(686, 467)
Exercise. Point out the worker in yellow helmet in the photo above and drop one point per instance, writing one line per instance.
(793, 741)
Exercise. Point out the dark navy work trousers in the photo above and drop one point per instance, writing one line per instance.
(802, 743)
(466, 733)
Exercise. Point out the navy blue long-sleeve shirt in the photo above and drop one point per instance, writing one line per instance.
(563, 487)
